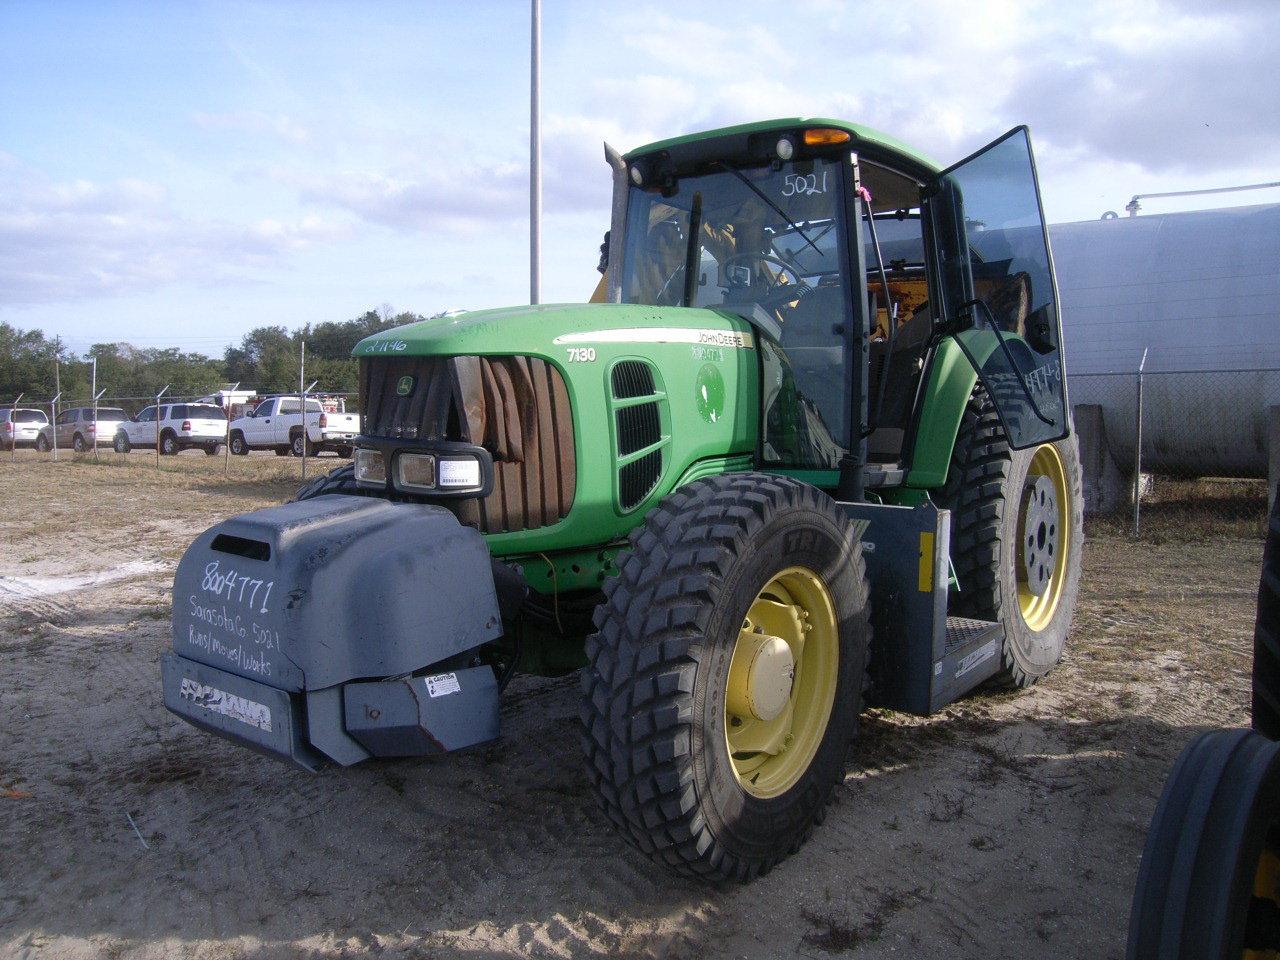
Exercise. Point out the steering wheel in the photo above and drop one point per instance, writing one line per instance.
(777, 293)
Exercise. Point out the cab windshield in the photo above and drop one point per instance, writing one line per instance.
(745, 239)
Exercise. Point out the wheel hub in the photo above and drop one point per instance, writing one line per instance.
(761, 677)
(1041, 533)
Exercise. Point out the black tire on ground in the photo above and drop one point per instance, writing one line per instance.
(284, 451)
(1266, 637)
(169, 445)
(42, 444)
(212, 449)
(344, 452)
(654, 690)
(238, 446)
(78, 444)
(1217, 820)
(121, 442)
(297, 444)
(987, 491)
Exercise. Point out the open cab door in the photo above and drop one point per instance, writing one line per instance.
(998, 286)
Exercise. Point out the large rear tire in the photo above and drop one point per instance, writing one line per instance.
(726, 678)
(1209, 882)
(1017, 533)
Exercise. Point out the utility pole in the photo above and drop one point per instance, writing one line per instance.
(57, 382)
(535, 153)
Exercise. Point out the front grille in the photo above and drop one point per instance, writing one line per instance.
(517, 408)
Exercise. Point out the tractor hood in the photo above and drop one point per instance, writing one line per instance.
(549, 330)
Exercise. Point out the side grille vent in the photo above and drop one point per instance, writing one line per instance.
(637, 479)
(632, 378)
(638, 427)
(638, 415)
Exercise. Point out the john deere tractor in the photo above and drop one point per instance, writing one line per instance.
(811, 452)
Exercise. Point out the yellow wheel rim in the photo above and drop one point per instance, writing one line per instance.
(782, 683)
(1044, 537)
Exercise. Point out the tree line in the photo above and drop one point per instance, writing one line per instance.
(265, 360)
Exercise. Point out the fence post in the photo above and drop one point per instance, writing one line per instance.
(13, 429)
(156, 419)
(53, 422)
(1137, 451)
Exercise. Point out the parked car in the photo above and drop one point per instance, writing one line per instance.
(277, 424)
(20, 426)
(180, 425)
(76, 428)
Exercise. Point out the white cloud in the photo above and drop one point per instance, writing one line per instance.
(257, 122)
(80, 239)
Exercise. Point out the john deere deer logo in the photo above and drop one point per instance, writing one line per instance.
(404, 387)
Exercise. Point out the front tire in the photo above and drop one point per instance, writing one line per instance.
(1017, 538)
(238, 446)
(121, 443)
(726, 678)
(42, 444)
(78, 444)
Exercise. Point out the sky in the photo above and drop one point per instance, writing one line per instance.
(175, 174)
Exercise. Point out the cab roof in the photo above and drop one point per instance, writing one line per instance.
(864, 140)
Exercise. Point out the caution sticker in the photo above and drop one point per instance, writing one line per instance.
(442, 684)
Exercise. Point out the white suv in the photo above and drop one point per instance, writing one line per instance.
(181, 426)
(20, 427)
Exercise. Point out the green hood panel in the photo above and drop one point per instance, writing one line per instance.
(705, 369)
(547, 330)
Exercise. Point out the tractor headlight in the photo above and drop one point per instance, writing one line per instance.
(370, 468)
(416, 472)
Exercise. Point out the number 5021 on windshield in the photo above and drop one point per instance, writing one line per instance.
(804, 184)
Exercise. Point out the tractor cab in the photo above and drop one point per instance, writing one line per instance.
(866, 270)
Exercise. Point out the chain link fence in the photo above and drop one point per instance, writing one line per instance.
(1178, 454)
(1165, 454)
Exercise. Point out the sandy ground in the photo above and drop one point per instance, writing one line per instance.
(1007, 825)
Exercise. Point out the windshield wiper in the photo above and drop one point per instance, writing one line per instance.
(776, 209)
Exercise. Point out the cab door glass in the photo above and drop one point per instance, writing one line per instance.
(998, 279)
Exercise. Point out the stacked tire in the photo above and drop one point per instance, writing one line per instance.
(1209, 883)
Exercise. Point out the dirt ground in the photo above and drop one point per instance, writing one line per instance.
(1008, 825)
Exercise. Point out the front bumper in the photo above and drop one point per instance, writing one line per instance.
(252, 714)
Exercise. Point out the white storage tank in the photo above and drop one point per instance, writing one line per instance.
(1200, 292)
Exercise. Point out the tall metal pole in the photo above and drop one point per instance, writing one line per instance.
(226, 446)
(93, 389)
(1137, 448)
(302, 402)
(535, 153)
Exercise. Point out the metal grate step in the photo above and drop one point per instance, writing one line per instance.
(962, 630)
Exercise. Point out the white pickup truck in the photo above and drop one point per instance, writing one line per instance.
(277, 424)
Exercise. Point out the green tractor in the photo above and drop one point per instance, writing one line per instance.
(811, 452)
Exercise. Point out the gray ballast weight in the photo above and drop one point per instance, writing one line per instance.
(336, 628)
